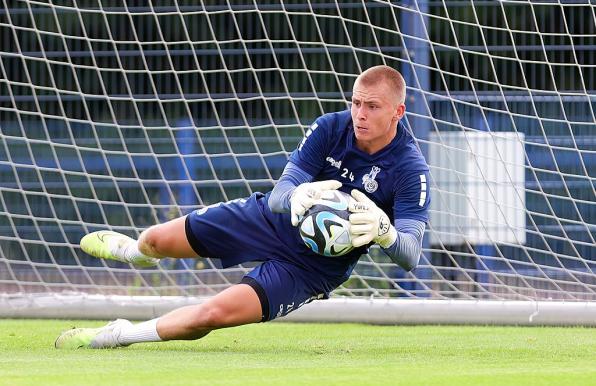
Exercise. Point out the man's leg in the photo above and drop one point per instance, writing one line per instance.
(163, 240)
(166, 240)
(234, 306)
(240, 304)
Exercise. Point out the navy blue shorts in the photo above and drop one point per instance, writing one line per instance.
(237, 232)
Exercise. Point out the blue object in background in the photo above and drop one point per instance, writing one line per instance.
(183, 192)
(417, 77)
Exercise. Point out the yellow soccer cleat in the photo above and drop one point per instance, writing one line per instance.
(111, 246)
(103, 337)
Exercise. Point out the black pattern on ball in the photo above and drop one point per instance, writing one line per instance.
(325, 227)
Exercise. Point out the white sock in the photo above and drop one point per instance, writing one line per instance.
(128, 250)
(131, 251)
(142, 332)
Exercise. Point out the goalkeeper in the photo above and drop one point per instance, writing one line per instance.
(365, 151)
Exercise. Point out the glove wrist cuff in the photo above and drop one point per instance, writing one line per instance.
(388, 239)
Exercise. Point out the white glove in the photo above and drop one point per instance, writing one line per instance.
(369, 223)
(306, 194)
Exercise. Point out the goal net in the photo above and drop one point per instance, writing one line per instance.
(122, 114)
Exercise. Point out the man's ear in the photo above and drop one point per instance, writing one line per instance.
(399, 112)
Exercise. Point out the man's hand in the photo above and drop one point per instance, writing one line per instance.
(305, 195)
(369, 223)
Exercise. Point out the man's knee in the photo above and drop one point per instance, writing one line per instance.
(223, 312)
(151, 241)
(166, 240)
(213, 316)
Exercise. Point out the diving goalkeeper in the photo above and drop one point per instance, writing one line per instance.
(365, 151)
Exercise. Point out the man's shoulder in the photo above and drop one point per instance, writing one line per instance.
(406, 156)
(412, 159)
(336, 120)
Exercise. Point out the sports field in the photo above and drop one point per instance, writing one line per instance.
(284, 353)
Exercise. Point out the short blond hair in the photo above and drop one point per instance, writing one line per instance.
(389, 75)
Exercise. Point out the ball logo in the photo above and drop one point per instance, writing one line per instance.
(325, 227)
(370, 185)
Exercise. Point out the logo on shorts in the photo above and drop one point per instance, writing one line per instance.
(370, 185)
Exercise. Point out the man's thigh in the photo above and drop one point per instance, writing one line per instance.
(235, 232)
(168, 239)
(234, 306)
(284, 287)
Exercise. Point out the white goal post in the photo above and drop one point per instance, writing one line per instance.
(121, 114)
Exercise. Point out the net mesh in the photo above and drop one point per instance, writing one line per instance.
(121, 114)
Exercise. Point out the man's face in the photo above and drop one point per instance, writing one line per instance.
(375, 112)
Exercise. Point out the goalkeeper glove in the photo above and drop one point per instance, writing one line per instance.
(305, 195)
(369, 223)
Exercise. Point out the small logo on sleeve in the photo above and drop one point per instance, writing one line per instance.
(370, 185)
(333, 162)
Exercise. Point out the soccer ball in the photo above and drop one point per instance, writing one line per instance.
(325, 227)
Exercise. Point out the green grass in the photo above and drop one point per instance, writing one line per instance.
(284, 353)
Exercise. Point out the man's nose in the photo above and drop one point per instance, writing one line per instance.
(361, 115)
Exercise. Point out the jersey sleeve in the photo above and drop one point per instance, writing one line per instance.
(412, 196)
(312, 151)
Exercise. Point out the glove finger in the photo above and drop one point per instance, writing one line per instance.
(358, 230)
(360, 218)
(358, 207)
(295, 207)
(360, 197)
(361, 240)
(327, 185)
(294, 219)
(299, 212)
(311, 192)
(305, 205)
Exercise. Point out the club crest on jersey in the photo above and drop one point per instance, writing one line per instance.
(370, 185)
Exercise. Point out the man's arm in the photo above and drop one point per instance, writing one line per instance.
(295, 194)
(292, 176)
(305, 163)
(402, 242)
(406, 249)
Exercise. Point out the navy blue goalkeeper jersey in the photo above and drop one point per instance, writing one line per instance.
(396, 177)
(243, 230)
